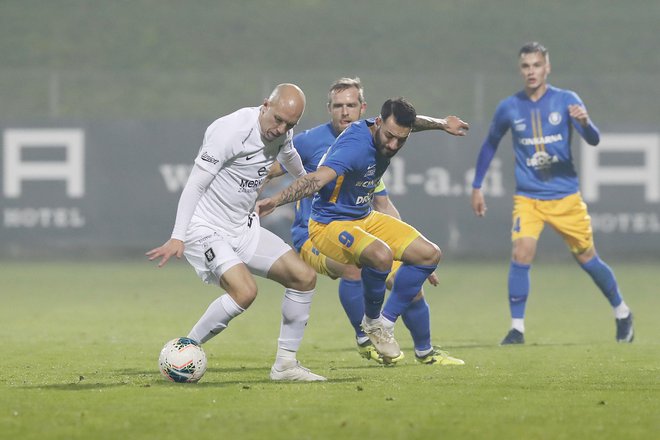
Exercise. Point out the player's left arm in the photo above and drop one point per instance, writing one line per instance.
(291, 161)
(276, 170)
(383, 203)
(581, 120)
(451, 124)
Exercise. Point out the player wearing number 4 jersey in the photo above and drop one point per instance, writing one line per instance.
(223, 240)
(344, 227)
(541, 119)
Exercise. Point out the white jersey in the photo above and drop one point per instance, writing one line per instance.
(239, 159)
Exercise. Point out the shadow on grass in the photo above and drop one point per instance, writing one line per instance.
(467, 346)
(151, 379)
(77, 386)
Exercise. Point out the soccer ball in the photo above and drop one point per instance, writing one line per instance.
(182, 360)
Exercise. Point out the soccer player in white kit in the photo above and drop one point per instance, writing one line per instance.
(221, 237)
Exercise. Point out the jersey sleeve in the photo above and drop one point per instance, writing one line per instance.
(498, 128)
(197, 183)
(590, 133)
(381, 189)
(219, 146)
(290, 159)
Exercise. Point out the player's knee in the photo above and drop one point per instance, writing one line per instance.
(522, 255)
(243, 294)
(524, 250)
(431, 254)
(351, 273)
(304, 278)
(437, 254)
(378, 255)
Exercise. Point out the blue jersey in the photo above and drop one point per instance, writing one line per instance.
(311, 146)
(541, 133)
(359, 167)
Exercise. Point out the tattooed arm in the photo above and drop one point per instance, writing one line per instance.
(451, 124)
(302, 187)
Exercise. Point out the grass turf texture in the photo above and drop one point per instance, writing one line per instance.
(82, 342)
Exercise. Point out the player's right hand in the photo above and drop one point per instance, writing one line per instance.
(478, 202)
(166, 251)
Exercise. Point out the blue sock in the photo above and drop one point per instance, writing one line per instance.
(352, 299)
(518, 289)
(604, 279)
(373, 284)
(417, 318)
(407, 284)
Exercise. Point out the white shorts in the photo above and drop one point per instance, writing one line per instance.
(217, 251)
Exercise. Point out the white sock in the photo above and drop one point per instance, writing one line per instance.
(423, 352)
(621, 311)
(518, 324)
(389, 325)
(362, 339)
(371, 321)
(295, 313)
(215, 319)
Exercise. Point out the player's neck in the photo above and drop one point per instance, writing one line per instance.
(536, 93)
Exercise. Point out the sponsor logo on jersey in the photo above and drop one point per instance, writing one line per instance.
(371, 170)
(249, 184)
(541, 140)
(363, 200)
(366, 183)
(253, 185)
(248, 157)
(554, 118)
(519, 124)
(541, 160)
(208, 158)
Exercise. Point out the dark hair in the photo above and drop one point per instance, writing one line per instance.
(403, 111)
(533, 47)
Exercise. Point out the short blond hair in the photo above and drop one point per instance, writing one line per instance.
(346, 83)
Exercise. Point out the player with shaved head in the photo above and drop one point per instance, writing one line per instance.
(222, 239)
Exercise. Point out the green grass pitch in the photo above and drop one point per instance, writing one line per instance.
(81, 342)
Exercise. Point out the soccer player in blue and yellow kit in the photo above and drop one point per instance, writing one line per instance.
(344, 227)
(541, 118)
(346, 104)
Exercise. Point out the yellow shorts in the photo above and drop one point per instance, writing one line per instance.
(319, 262)
(344, 241)
(315, 259)
(567, 216)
